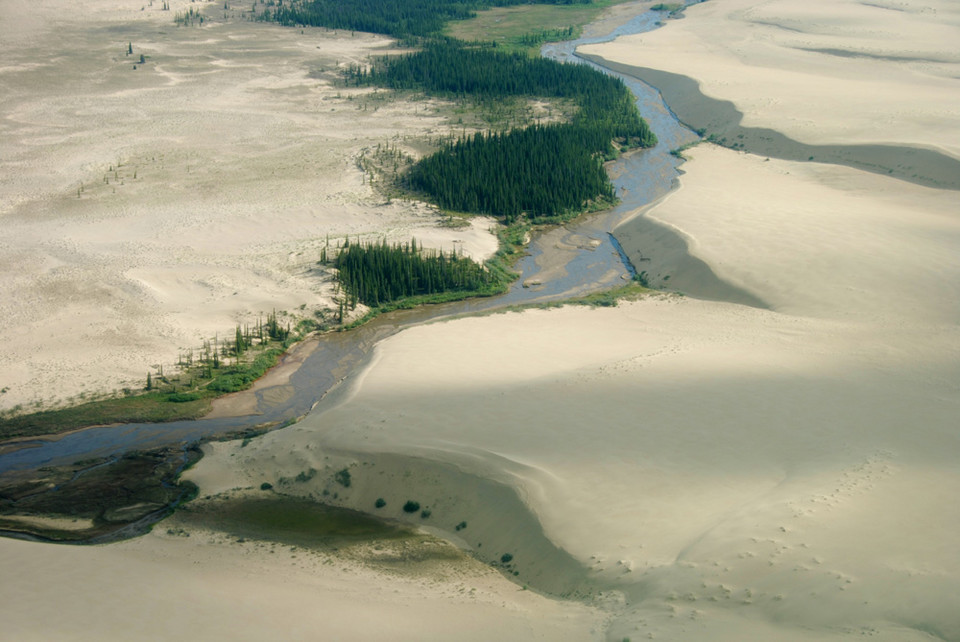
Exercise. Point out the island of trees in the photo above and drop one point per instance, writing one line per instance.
(379, 273)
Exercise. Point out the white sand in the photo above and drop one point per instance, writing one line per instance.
(209, 587)
(233, 158)
(725, 472)
(819, 71)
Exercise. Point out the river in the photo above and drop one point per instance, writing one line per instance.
(577, 258)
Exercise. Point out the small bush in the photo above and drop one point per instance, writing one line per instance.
(183, 397)
(461, 526)
(380, 503)
(343, 478)
(425, 513)
(411, 506)
(266, 486)
(506, 558)
(305, 475)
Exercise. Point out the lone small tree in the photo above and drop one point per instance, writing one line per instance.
(129, 48)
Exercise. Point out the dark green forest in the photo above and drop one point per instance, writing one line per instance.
(379, 273)
(398, 18)
(543, 171)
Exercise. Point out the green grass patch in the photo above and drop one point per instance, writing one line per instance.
(632, 291)
(241, 376)
(512, 27)
(149, 407)
(289, 520)
(184, 396)
(672, 8)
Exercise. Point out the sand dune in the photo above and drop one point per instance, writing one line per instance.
(729, 472)
(208, 586)
(819, 71)
(678, 469)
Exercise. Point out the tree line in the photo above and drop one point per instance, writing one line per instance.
(398, 18)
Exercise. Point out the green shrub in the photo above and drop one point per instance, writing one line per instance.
(305, 475)
(411, 506)
(380, 503)
(342, 477)
(183, 397)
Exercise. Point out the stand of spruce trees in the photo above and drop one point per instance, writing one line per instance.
(542, 171)
(379, 273)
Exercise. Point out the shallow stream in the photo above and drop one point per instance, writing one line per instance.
(565, 261)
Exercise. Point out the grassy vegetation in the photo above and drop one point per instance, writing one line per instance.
(632, 291)
(673, 8)
(289, 520)
(183, 396)
(678, 152)
(149, 407)
(511, 27)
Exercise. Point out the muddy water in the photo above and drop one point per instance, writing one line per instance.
(569, 260)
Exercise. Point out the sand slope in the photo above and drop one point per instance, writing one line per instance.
(210, 587)
(818, 71)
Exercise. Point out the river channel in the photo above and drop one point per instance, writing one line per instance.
(570, 260)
